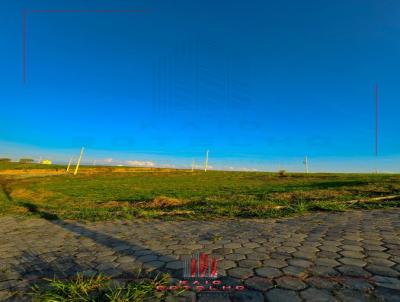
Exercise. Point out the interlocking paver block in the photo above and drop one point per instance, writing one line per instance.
(387, 294)
(259, 283)
(354, 271)
(249, 263)
(380, 261)
(352, 254)
(289, 282)
(317, 295)
(389, 282)
(326, 262)
(247, 296)
(323, 282)
(300, 262)
(213, 297)
(295, 271)
(382, 270)
(240, 272)
(276, 263)
(348, 295)
(268, 272)
(353, 261)
(357, 283)
(258, 256)
(174, 265)
(226, 264)
(279, 295)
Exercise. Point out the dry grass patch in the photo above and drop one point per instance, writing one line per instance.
(308, 195)
(164, 202)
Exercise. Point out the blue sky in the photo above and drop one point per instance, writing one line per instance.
(259, 83)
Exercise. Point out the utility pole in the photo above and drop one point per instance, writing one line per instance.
(206, 162)
(69, 164)
(305, 162)
(376, 128)
(79, 162)
(192, 166)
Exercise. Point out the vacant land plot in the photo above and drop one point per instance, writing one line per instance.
(101, 193)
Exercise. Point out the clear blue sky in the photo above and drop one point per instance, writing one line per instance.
(259, 83)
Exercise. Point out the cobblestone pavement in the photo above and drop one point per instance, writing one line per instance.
(350, 256)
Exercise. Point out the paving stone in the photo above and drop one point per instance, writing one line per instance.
(369, 247)
(279, 295)
(244, 250)
(213, 297)
(106, 266)
(222, 251)
(387, 294)
(241, 273)
(174, 265)
(353, 261)
(268, 272)
(232, 245)
(347, 247)
(259, 283)
(380, 261)
(353, 271)
(323, 282)
(305, 255)
(326, 262)
(329, 248)
(280, 256)
(276, 263)
(329, 255)
(300, 262)
(235, 257)
(247, 296)
(372, 242)
(382, 270)
(387, 282)
(357, 283)
(251, 245)
(186, 296)
(377, 254)
(147, 258)
(154, 264)
(249, 263)
(226, 264)
(352, 254)
(348, 295)
(285, 249)
(295, 271)
(317, 295)
(257, 256)
(289, 282)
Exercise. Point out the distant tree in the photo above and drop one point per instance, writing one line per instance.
(5, 160)
(26, 160)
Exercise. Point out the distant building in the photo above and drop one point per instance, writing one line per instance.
(46, 162)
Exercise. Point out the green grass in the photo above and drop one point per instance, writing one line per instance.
(99, 289)
(102, 194)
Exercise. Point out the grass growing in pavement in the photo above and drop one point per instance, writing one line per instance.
(102, 193)
(99, 289)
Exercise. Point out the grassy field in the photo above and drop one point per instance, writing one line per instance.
(102, 193)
